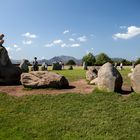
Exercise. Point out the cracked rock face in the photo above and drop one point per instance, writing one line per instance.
(109, 78)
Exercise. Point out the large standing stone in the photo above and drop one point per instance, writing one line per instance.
(135, 79)
(9, 74)
(43, 79)
(109, 78)
(91, 74)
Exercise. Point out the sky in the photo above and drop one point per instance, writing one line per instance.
(48, 28)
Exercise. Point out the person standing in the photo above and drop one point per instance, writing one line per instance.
(35, 64)
(121, 66)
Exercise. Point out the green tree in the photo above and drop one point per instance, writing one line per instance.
(127, 63)
(71, 62)
(89, 59)
(102, 58)
(137, 61)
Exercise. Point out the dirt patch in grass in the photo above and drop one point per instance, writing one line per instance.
(80, 86)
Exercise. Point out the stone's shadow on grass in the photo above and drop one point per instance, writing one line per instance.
(49, 88)
(11, 84)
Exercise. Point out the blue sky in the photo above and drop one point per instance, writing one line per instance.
(47, 28)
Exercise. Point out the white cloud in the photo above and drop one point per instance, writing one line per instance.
(15, 46)
(82, 39)
(132, 31)
(53, 43)
(29, 35)
(75, 45)
(28, 42)
(49, 45)
(66, 31)
(71, 39)
(42, 57)
(18, 49)
(123, 27)
(64, 45)
(59, 41)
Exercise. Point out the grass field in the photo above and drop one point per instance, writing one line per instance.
(95, 116)
(105, 116)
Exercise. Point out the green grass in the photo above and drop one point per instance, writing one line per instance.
(73, 75)
(124, 73)
(96, 116)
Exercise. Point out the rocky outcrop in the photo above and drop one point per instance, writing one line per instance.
(43, 79)
(135, 79)
(91, 74)
(9, 74)
(109, 78)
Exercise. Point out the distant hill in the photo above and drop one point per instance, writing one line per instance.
(62, 58)
(65, 59)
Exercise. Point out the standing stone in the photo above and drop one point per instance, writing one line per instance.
(24, 65)
(91, 74)
(9, 74)
(85, 66)
(109, 78)
(135, 79)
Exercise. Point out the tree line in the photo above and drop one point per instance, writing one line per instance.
(101, 59)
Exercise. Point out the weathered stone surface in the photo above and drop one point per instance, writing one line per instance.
(109, 78)
(9, 74)
(24, 65)
(91, 74)
(43, 79)
(94, 81)
(135, 79)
